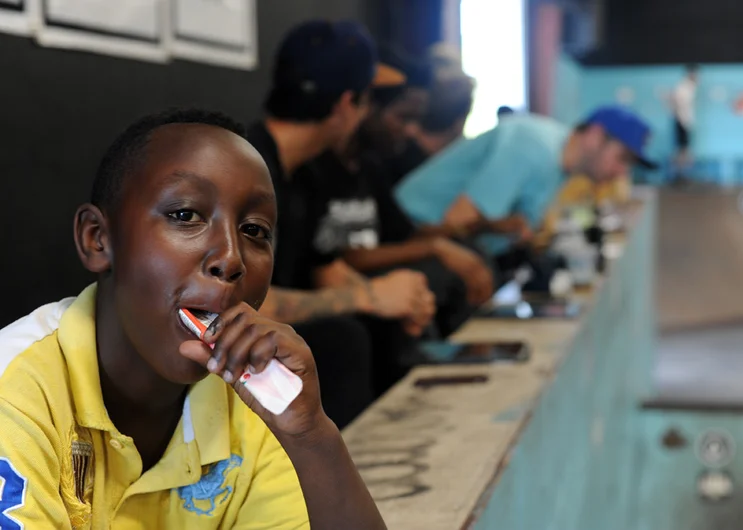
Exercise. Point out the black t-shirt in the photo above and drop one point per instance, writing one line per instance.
(357, 208)
(295, 257)
(400, 165)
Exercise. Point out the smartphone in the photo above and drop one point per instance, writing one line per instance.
(428, 382)
(475, 353)
(533, 309)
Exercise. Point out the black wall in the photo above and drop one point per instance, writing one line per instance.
(61, 109)
(670, 31)
(410, 26)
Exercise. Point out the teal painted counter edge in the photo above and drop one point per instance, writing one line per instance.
(574, 466)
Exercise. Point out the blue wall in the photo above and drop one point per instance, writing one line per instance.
(566, 104)
(718, 139)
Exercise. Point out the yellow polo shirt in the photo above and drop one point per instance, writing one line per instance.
(64, 465)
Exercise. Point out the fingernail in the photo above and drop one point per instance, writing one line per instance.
(212, 365)
(228, 377)
(213, 328)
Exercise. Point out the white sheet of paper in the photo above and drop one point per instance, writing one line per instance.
(221, 32)
(14, 17)
(137, 18)
(127, 28)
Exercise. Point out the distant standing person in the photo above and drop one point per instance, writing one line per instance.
(682, 103)
(504, 111)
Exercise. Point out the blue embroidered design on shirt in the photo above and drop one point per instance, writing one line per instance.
(210, 488)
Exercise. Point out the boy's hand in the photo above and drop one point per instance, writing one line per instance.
(243, 338)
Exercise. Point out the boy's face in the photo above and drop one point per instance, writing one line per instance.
(192, 230)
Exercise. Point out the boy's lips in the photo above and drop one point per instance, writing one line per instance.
(210, 299)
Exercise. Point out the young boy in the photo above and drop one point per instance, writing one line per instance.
(109, 417)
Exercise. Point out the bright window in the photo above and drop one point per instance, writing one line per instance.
(494, 53)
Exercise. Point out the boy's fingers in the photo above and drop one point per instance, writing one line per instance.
(264, 349)
(197, 351)
(238, 355)
(231, 333)
(214, 331)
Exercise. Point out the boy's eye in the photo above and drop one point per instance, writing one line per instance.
(186, 216)
(255, 231)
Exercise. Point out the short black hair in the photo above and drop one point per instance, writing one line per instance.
(505, 110)
(450, 101)
(127, 152)
(384, 96)
(418, 70)
(294, 105)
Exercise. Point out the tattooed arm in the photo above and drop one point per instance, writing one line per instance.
(291, 306)
(338, 274)
(401, 294)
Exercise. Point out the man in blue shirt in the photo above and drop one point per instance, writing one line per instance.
(499, 185)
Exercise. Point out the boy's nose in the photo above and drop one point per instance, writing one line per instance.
(227, 264)
(227, 273)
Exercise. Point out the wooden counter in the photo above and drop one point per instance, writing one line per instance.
(544, 445)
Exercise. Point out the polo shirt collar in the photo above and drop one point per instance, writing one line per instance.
(206, 416)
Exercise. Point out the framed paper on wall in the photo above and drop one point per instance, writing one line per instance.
(136, 29)
(15, 17)
(219, 32)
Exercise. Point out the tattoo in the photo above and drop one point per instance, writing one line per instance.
(373, 300)
(351, 278)
(298, 306)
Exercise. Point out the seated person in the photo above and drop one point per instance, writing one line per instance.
(396, 110)
(505, 111)
(449, 104)
(319, 96)
(502, 182)
(112, 415)
(359, 217)
(444, 96)
(580, 190)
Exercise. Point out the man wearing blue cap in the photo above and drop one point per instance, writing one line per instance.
(498, 186)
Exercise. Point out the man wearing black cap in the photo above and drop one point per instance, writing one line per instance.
(319, 96)
(360, 220)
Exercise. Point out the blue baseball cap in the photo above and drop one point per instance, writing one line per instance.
(326, 57)
(627, 127)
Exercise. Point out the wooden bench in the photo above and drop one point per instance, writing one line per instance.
(543, 445)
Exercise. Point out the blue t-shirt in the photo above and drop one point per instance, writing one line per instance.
(513, 168)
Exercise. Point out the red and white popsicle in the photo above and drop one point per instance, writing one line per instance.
(274, 388)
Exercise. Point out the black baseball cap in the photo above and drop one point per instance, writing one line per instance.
(326, 57)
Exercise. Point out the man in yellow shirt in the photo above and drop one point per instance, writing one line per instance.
(580, 190)
(109, 415)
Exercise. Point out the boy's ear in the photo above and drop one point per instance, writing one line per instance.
(92, 238)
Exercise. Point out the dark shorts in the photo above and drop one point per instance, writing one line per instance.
(682, 135)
